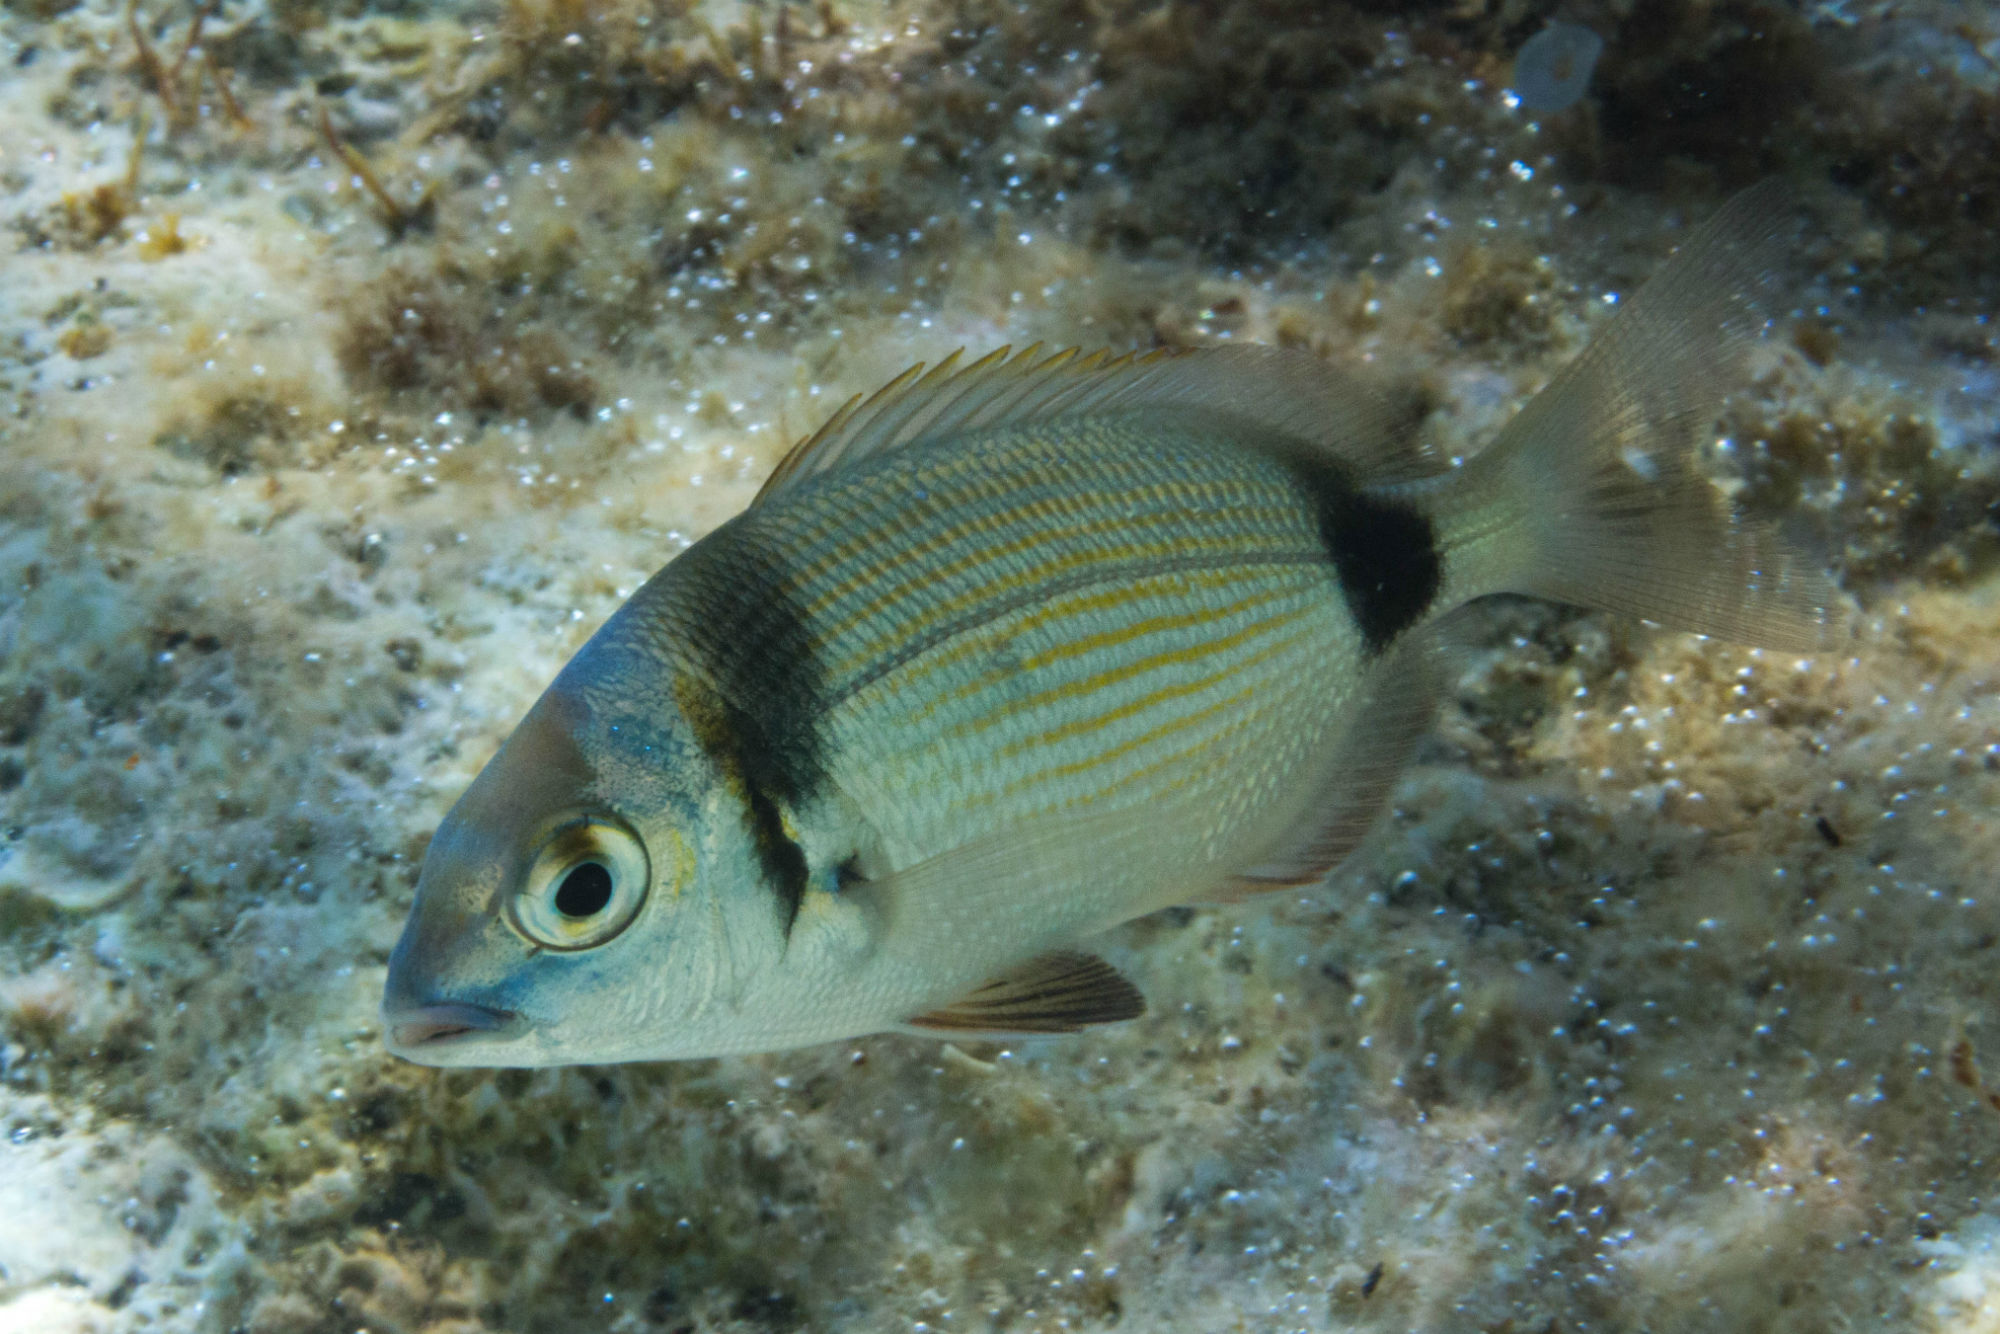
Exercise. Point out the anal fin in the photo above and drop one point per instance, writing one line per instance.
(1062, 992)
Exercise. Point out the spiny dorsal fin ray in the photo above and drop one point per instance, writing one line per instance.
(1286, 393)
(1052, 993)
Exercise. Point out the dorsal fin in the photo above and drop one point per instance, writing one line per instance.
(1051, 993)
(1287, 393)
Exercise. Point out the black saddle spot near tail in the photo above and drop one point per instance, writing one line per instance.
(1384, 550)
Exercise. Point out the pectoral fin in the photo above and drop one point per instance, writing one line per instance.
(1053, 993)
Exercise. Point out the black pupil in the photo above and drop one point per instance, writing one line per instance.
(585, 891)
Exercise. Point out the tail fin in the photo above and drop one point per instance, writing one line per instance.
(1590, 494)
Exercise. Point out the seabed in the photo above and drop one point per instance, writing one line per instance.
(357, 357)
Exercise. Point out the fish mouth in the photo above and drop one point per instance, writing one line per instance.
(421, 1030)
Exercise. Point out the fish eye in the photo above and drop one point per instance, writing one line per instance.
(584, 885)
(585, 891)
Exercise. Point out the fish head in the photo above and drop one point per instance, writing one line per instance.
(553, 920)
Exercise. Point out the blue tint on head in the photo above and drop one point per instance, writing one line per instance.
(1552, 68)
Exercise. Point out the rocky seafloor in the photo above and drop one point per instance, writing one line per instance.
(357, 358)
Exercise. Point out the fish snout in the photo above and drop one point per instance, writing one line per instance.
(443, 995)
(437, 1022)
(421, 1020)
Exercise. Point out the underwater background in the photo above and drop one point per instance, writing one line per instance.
(357, 359)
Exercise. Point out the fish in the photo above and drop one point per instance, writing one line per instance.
(1013, 651)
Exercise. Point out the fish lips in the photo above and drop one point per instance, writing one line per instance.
(434, 1032)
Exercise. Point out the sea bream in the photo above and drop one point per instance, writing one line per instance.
(1012, 652)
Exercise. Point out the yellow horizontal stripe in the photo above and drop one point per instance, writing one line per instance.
(909, 560)
(937, 481)
(1072, 768)
(937, 473)
(1180, 689)
(1001, 592)
(1150, 625)
(1000, 476)
(1095, 599)
(1085, 605)
(1182, 757)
